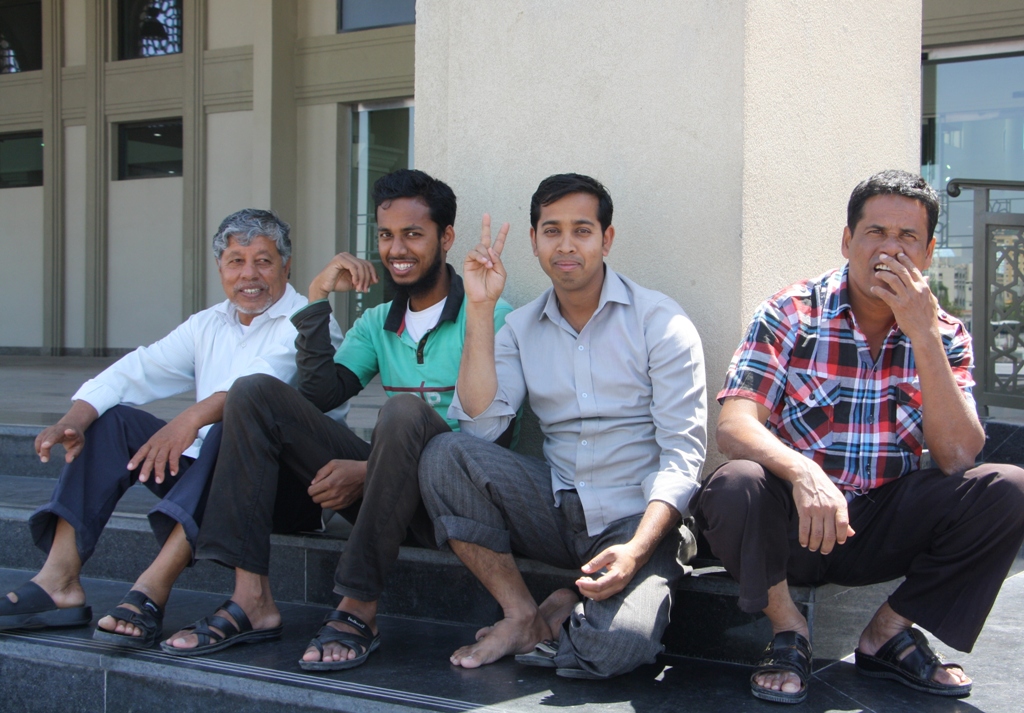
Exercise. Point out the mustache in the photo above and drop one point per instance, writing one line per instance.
(260, 284)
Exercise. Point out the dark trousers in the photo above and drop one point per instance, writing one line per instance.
(480, 493)
(90, 486)
(952, 537)
(275, 441)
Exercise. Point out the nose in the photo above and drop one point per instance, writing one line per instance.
(249, 269)
(565, 244)
(397, 246)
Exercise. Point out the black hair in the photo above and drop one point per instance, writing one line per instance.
(557, 187)
(893, 183)
(410, 183)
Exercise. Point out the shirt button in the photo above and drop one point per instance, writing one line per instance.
(242, 345)
(584, 396)
(580, 347)
(582, 484)
(871, 418)
(584, 443)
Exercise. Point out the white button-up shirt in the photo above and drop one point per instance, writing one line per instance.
(622, 404)
(206, 353)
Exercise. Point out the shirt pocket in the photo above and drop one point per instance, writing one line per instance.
(905, 400)
(809, 410)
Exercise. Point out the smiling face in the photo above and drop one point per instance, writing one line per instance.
(411, 245)
(570, 244)
(890, 225)
(253, 276)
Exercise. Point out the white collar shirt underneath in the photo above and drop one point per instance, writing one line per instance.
(207, 352)
(622, 404)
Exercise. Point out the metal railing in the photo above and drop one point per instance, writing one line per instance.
(998, 305)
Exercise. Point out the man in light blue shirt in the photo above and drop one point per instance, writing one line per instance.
(614, 373)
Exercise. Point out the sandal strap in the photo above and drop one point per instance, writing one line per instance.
(787, 651)
(238, 614)
(31, 599)
(362, 639)
(150, 616)
(921, 662)
(350, 619)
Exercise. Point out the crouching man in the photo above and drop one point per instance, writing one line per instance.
(836, 388)
(615, 375)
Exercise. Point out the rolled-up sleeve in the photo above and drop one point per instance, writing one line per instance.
(678, 408)
(511, 392)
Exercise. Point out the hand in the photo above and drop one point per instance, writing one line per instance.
(620, 564)
(69, 435)
(345, 272)
(483, 275)
(821, 506)
(911, 300)
(162, 452)
(338, 484)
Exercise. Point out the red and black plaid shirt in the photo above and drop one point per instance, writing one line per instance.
(805, 359)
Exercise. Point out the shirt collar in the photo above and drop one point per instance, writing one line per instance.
(283, 307)
(456, 293)
(836, 293)
(613, 290)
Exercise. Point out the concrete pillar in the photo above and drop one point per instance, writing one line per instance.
(729, 133)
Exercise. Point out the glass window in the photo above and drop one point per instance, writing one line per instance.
(364, 14)
(381, 143)
(150, 149)
(21, 159)
(148, 28)
(972, 127)
(21, 35)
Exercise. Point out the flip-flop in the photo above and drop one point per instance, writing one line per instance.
(210, 641)
(35, 609)
(363, 642)
(915, 670)
(542, 656)
(149, 618)
(788, 652)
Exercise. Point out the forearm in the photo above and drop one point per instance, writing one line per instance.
(951, 428)
(478, 379)
(658, 519)
(742, 436)
(80, 416)
(320, 379)
(203, 413)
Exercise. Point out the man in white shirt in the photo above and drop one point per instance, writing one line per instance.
(248, 333)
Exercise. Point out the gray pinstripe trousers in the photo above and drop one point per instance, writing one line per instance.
(483, 494)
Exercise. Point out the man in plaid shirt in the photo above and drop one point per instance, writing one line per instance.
(837, 387)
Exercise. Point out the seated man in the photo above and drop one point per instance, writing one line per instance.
(828, 402)
(615, 375)
(248, 333)
(282, 460)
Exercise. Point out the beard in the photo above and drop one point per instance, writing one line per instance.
(425, 284)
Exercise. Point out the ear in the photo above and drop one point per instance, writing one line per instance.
(607, 239)
(533, 241)
(847, 237)
(448, 238)
(288, 268)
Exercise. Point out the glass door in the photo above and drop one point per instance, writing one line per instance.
(382, 142)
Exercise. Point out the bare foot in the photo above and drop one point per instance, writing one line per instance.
(557, 608)
(259, 620)
(508, 636)
(884, 626)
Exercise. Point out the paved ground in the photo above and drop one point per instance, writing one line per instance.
(37, 391)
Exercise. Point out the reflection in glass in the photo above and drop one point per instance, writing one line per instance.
(21, 36)
(149, 28)
(972, 127)
(151, 149)
(21, 159)
(364, 14)
(381, 143)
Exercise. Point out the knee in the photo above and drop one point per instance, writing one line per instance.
(1007, 489)
(734, 485)
(439, 462)
(403, 414)
(247, 391)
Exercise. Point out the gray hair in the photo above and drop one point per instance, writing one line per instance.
(248, 224)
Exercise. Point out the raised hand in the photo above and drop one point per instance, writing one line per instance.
(344, 273)
(68, 432)
(483, 273)
(911, 300)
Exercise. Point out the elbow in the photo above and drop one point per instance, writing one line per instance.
(726, 438)
(958, 458)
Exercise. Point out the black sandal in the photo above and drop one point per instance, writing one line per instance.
(363, 643)
(788, 652)
(915, 670)
(211, 641)
(149, 618)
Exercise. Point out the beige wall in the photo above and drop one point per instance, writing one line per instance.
(144, 274)
(317, 17)
(74, 237)
(229, 23)
(228, 181)
(955, 21)
(313, 226)
(729, 133)
(21, 267)
(74, 33)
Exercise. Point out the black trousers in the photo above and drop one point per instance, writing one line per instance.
(90, 486)
(952, 537)
(274, 443)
